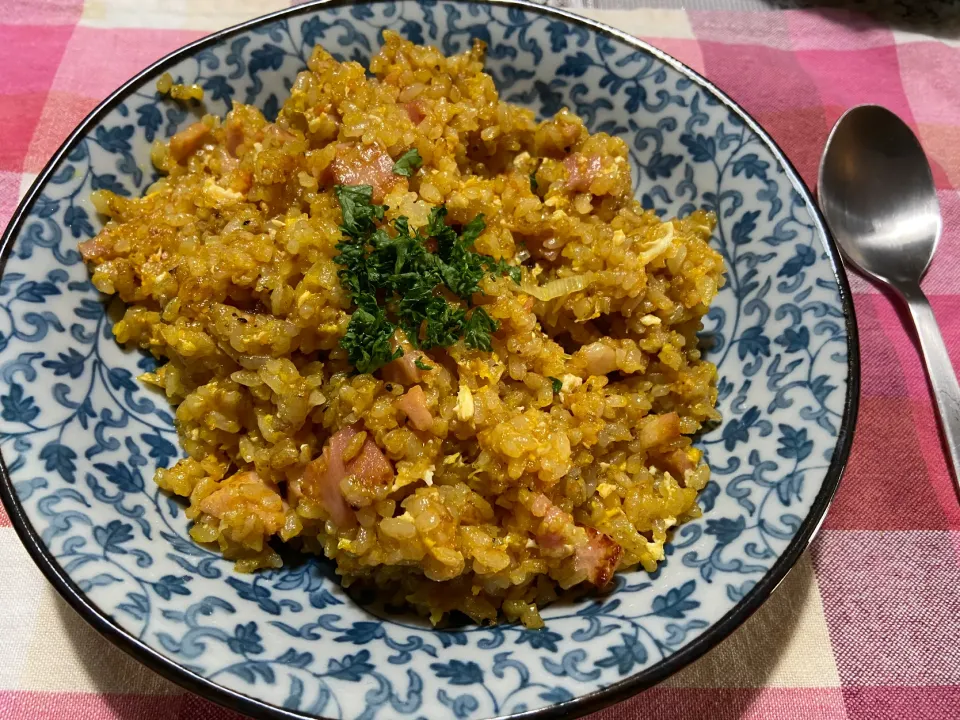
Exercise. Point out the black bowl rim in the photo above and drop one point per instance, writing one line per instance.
(572, 708)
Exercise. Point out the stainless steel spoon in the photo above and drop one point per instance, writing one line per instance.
(876, 191)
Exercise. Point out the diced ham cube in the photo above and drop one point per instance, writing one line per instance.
(660, 430)
(365, 165)
(322, 476)
(676, 462)
(188, 141)
(541, 504)
(555, 529)
(599, 557)
(582, 170)
(415, 112)
(551, 542)
(244, 125)
(95, 249)
(233, 135)
(246, 492)
(404, 369)
(370, 465)
(414, 404)
(319, 481)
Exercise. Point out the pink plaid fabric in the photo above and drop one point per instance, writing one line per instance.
(866, 627)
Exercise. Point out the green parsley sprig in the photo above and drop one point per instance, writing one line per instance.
(395, 281)
(408, 163)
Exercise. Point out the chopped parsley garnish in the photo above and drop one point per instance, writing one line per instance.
(557, 384)
(477, 329)
(367, 340)
(422, 365)
(396, 282)
(502, 267)
(408, 163)
(359, 212)
(533, 182)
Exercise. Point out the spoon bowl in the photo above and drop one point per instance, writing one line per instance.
(877, 193)
(879, 200)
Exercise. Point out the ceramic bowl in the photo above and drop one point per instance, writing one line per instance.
(80, 437)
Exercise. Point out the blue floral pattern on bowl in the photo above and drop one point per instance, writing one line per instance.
(81, 438)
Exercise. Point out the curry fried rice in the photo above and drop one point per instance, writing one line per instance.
(409, 327)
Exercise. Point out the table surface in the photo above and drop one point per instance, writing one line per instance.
(867, 626)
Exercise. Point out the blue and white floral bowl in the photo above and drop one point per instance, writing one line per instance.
(80, 438)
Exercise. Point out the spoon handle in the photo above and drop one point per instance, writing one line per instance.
(946, 390)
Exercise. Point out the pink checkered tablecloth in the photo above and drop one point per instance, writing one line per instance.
(867, 626)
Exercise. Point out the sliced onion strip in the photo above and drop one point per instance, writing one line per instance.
(658, 246)
(558, 288)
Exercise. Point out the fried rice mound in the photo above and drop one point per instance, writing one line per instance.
(451, 479)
